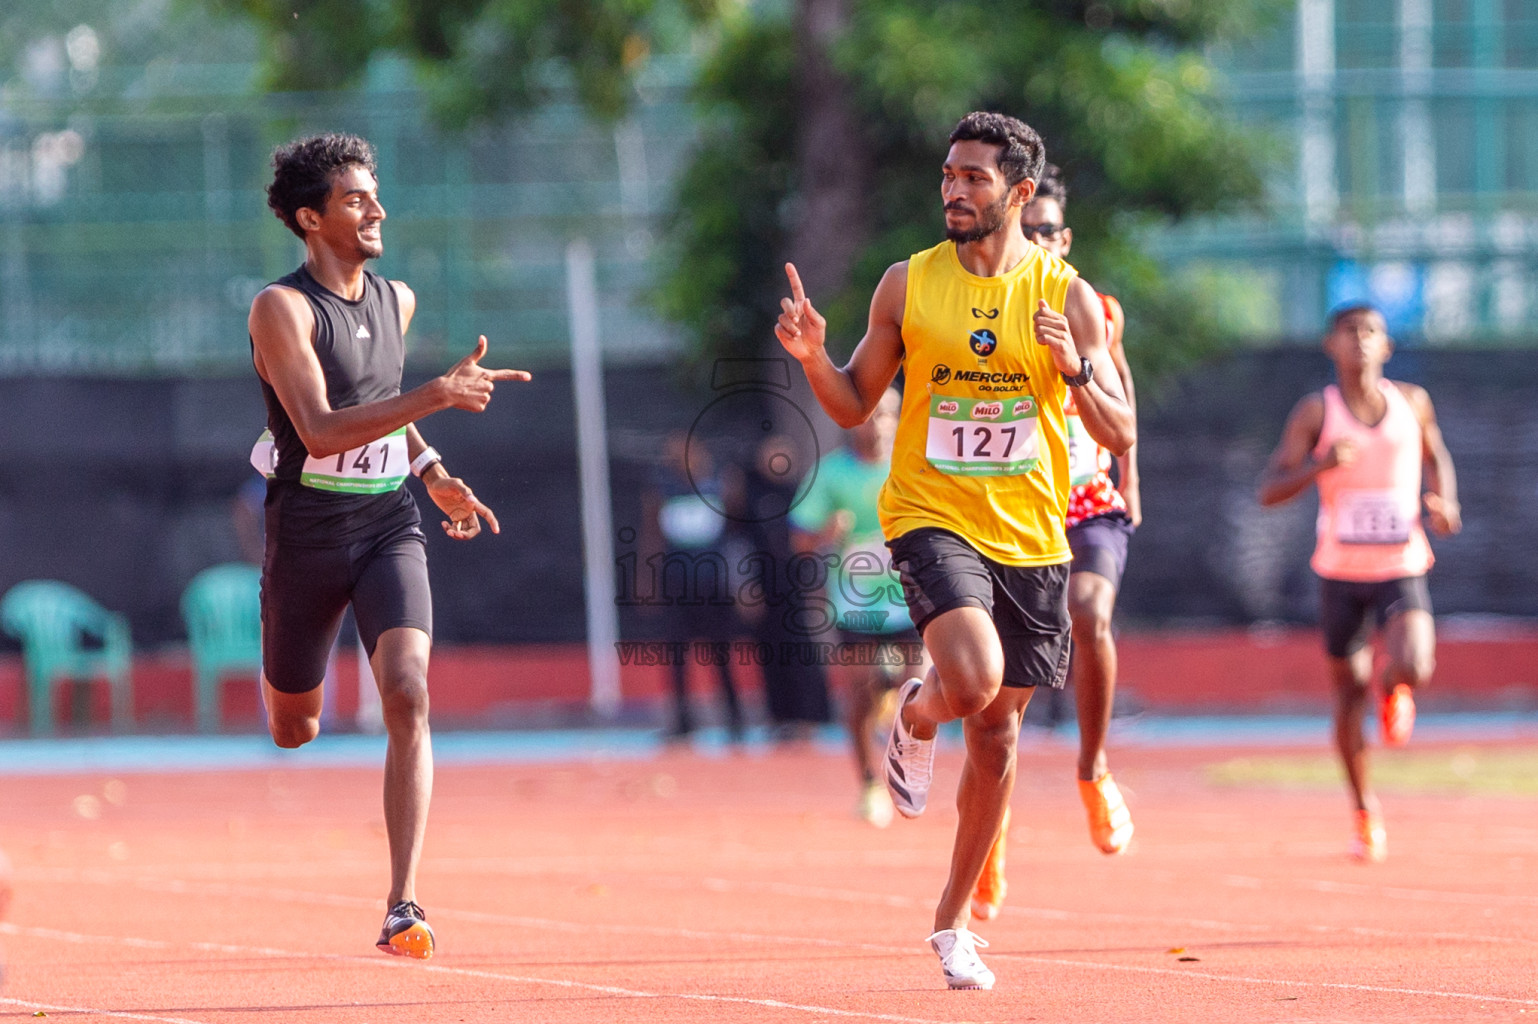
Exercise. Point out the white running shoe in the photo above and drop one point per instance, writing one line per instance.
(910, 762)
(957, 948)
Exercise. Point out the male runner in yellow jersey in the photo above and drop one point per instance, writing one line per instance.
(990, 332)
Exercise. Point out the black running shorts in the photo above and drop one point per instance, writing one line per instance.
(940, 571)
(1100, 545)
(1344, 609)
(305, 590)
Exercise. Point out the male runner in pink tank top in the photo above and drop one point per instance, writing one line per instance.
(1365, 442)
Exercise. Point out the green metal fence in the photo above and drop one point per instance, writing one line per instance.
(134, 231)
(1409, 172)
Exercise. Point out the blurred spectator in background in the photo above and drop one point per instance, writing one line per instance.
(838, 515)
(684, 510)
(248, 516)
(795, 685)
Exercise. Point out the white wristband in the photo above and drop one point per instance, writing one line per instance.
(427, 458)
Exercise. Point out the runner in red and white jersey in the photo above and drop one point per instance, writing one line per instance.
(1101, 519)
(1089, 465)
(1365, 442)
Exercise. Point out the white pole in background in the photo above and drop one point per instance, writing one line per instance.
(593, 472)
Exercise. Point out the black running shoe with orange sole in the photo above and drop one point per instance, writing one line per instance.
(406, 932)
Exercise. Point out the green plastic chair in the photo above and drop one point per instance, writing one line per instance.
(53, 621)
(222, 610)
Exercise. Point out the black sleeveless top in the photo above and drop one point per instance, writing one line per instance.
(362, 355)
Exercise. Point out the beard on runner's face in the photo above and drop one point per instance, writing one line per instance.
(987, 221)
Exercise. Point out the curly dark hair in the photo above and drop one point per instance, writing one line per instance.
(303, 169)
(1022, 154)
(1051, 186)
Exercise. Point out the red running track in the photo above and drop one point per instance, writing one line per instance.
(741, 888)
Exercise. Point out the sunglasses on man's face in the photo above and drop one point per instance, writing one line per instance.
(1047, 231)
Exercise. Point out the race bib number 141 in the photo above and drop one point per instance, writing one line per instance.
(373, 468)
(982, 437)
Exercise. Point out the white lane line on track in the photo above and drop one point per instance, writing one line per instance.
(818, 893)
(1247, 980)
(694, 996)
(28, 1005)
(485, 917)
(648, 865)
(1044, 913)
(1094, 965)
(79, 938)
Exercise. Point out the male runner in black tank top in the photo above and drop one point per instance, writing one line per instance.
(328, 344)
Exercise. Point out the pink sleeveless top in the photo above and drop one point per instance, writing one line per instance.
(1369, 527)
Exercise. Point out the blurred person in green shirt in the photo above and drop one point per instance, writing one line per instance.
(879, 647)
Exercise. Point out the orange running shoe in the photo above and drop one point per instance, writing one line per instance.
(1370, 844)
(1110, 823)
(1398, 715)
(988, 897)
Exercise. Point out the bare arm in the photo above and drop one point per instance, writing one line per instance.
(847, 395)
(1293, 467)
(282, 329)
(1126, 463)
(1079, 331)
(408, 303)
(1441, 497)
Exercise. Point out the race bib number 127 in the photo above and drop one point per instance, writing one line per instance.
(982, 436)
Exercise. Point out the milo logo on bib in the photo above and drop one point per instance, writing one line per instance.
(982, 437)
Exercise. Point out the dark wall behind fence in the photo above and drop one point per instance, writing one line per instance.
(124, 488)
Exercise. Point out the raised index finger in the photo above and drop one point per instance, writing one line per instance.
(797, 292)
(509, 374)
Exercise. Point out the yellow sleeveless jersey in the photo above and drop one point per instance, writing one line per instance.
(982, 443)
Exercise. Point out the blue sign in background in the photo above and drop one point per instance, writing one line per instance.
(1397, 289)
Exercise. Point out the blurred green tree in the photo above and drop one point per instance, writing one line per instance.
(829, 154)
(824, 123)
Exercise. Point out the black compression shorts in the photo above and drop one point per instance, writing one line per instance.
(1100, 545)
(940, 571)
(305, 590)
(1348, 611)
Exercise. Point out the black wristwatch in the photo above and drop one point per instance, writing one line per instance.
(1086, 374)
